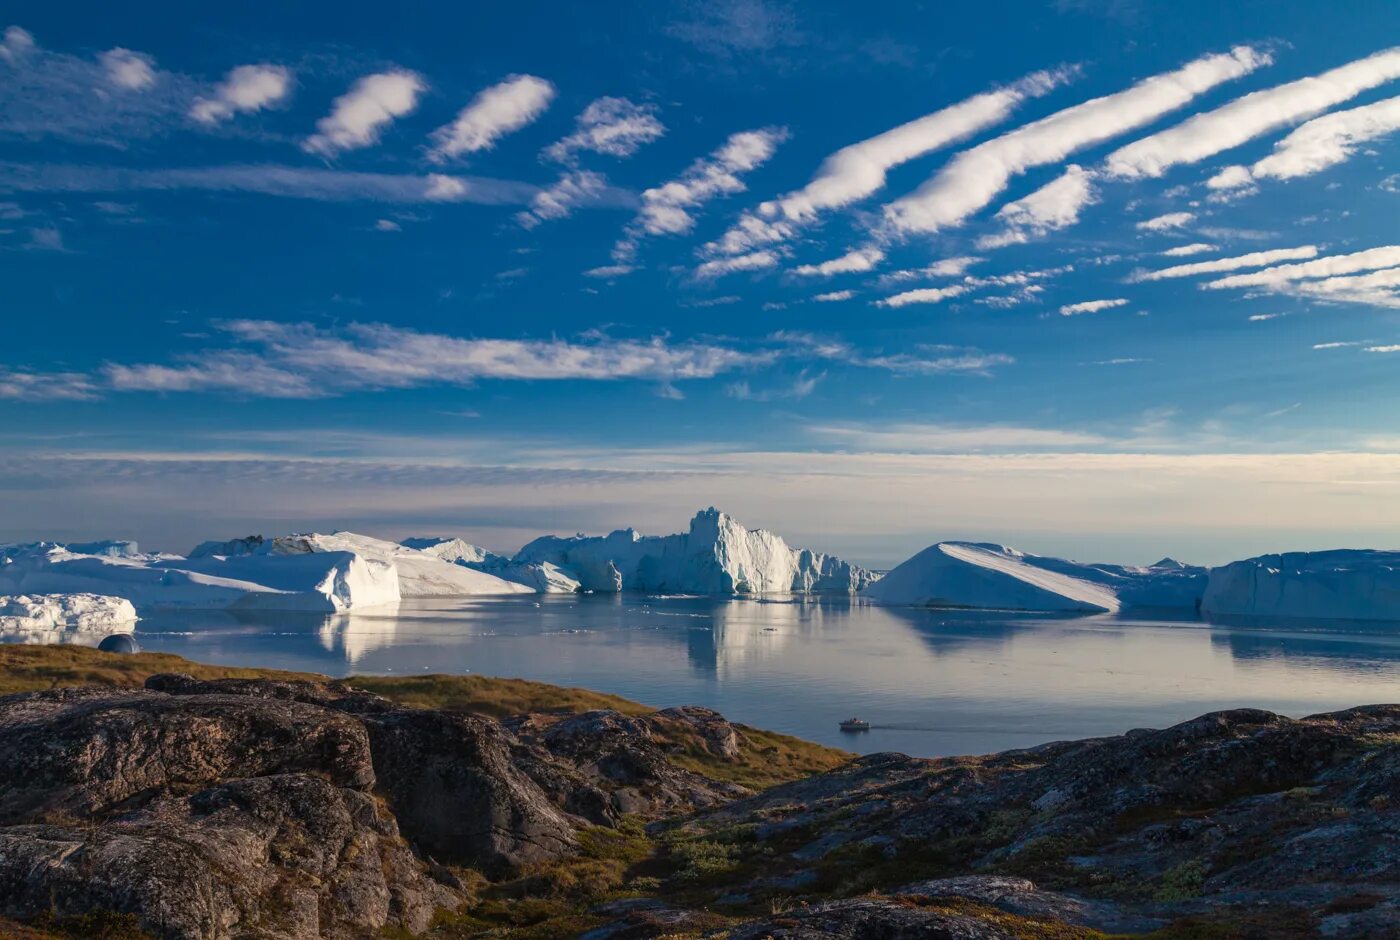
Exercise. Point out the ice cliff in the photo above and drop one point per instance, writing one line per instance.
(1346, 584)
(716, 556)
(23, 613)
(984, 575)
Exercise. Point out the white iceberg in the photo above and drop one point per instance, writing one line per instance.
(989, 576)
(328, 583)
(542, 577)
(24, 613)
(716, 556)
(420, 573)
(1344, 584)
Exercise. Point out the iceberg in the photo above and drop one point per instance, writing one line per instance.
(542, 577)
(329, 583)
(420, 573)
(1343, 584)
(79, 612)
(990, 576)
(716, 555)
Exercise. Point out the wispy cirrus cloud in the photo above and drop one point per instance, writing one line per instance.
(1195, 248)
(1246, 118)
(266, 359)
(359, 116)
(1331, 266)
(1092, 306)
(1255, 259)
(502, 109)
(298, 360)
(669, 209)
(975, 177)
(1317, 145)
(1170, 222)
(859, 170)
(1203, 136)
(270, 180)
(573, 190)
(22, 385)
(112, 99)
(753, 261)
(615, 127)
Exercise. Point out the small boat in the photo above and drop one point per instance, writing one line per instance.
(855, 724)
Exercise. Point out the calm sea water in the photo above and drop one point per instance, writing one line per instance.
(931, 682)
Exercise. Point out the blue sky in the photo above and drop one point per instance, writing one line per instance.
(870, 277)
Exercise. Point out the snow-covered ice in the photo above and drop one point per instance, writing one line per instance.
(1345, 584)
(985, 575)
(420, 573)
(95, 612)
(716, 556)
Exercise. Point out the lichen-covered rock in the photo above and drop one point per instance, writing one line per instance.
(87, 752)
(458, 794)
(285, 856)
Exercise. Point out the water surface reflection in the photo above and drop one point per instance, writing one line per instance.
(932, 682)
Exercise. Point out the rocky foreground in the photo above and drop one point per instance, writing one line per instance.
(290, 808)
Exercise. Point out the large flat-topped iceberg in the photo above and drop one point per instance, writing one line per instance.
(716, 556)
(989, 576)
(331, 582)
(420, 573)
(1345, 584)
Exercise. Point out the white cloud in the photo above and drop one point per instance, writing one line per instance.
(612, 126)
(1320, 143)
(1263, 317)
(936, 438)
(298, 360)
(1024, 283)
(133, 71)
(1383, 349)
(387, 225)
(974, 177)
(754, 261)
(668, 209)
(1369, 260)
(1197, 248)
(924, 295)
(946, 267)
(861, 259)
(19, 385)
(1054, 206)
(502, 109)
(610, 270)
(245, 89)
(15, 44)
(1167, 223)
(1092, 306)
(110, 99)
(1243, 119)
(857, 171)
(1254, 259)
(573, 189)
(362, 113)
(834, 296)
(268, 179)
(1341, 345)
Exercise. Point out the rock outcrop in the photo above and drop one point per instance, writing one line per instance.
(297, 809)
